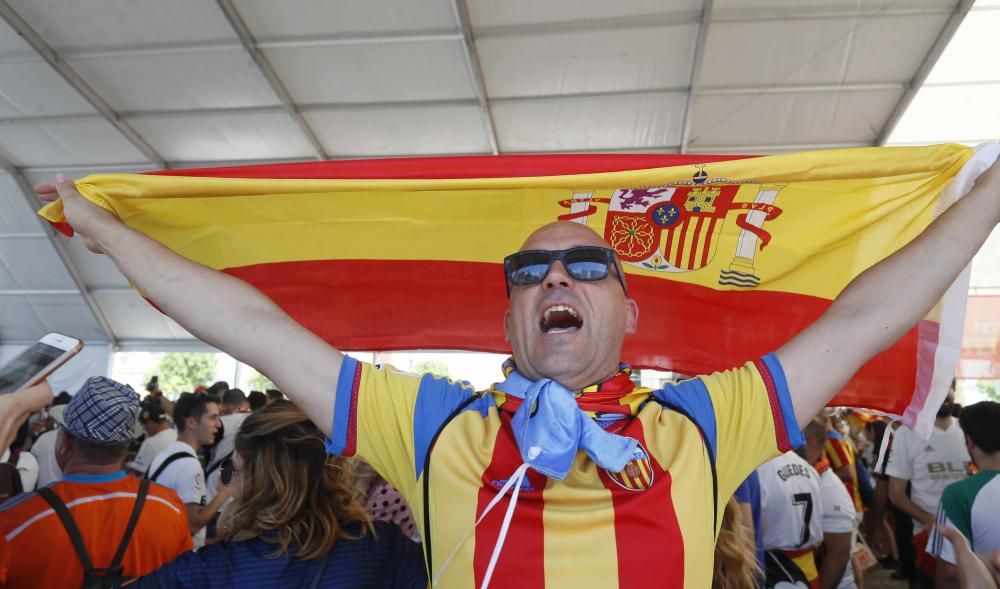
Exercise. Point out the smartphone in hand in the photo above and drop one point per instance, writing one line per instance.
(38, 361)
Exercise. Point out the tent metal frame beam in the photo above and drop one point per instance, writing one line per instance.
(475, 69)
(81, 286)
(270, 75)
(23, 235)
(432, 36)
(465, 102)
(56, 61)
(28, 292)
(936, 49)
(696, 63)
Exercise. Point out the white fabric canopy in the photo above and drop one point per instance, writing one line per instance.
(144, 84)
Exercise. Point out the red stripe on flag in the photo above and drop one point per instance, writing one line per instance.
(520, 562)
(695, 243)
(400, 304)
(648, 536)
(502, 166)
(681, 244)
(930, 333)
(709, 243)
(668, 245)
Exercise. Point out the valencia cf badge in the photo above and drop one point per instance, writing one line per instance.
(637, 474)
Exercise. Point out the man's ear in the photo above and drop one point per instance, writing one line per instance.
(631, 315)
(506, 325)
(63, 445)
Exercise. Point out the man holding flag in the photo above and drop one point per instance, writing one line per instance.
(640, 506)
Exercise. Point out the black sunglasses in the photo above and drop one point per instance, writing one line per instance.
(226, 471)
(588, 263)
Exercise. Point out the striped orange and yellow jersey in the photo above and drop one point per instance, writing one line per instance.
(449, 451)
(840, 453)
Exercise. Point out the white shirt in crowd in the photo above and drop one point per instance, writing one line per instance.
(185, 477)
(839, 516)
(230, 426)
(44, 451)
(791, 506)
(151, 448)
(27, 468)
(929, 465)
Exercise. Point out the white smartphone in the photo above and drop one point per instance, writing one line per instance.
(34, 364)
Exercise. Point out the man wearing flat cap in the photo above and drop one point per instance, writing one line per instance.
(95, 499)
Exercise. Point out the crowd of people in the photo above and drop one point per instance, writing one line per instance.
(129, 504)
(231, 497)
(822, 525)
(564, 474)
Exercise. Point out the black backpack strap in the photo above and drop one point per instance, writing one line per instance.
(215, 465)
(71, 528)
(170, 460)
(133, 521)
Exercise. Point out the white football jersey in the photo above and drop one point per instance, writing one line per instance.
(791, 505)
(929, 465)
(839, 516)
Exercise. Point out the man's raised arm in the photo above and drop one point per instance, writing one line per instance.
(217, 308)
(885, 301)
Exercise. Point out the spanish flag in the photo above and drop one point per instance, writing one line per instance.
(728, 257)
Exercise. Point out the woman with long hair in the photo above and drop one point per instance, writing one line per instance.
(735, 555)
(296, 520)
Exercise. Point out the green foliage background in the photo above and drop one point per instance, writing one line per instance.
(989, 389)
(182, 371)
(438, 369)
(259, 382)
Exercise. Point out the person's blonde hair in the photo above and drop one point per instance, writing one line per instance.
(736, 564)
(292, 493)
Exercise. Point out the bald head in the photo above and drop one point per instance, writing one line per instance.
(563, 232)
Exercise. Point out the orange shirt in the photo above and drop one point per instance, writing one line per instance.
(35, 550)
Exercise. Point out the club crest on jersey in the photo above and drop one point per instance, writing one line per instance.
(680, 226)
(637, 474)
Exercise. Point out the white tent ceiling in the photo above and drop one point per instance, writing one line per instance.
(136, 85)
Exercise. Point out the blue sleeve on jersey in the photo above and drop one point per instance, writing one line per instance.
(692, 399)
(337, 441)
(437, 398)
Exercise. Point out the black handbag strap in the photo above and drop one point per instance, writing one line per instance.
(71, 528)
(170, 460)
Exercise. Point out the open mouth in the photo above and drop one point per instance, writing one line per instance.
(560, 319)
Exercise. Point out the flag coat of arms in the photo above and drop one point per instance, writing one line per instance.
(728, 257)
